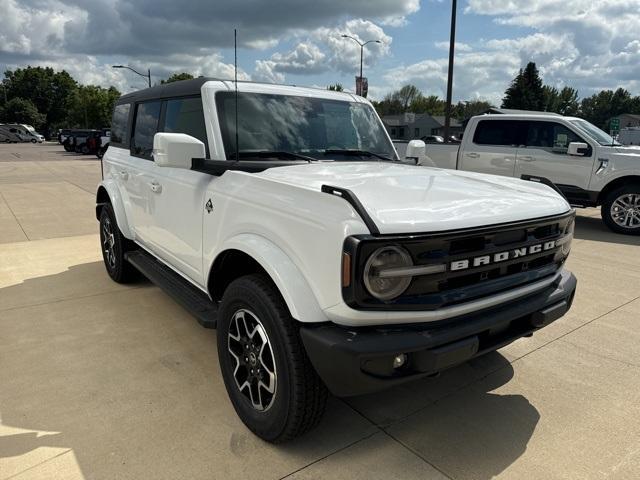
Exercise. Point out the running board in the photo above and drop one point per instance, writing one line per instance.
(191, 298)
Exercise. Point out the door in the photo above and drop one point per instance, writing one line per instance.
(493, 148)
(544, 154)
(175, 203)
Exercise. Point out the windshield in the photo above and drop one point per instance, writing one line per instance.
(594, 132)
(303, 125)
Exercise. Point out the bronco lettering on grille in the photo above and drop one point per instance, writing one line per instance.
(501, 256)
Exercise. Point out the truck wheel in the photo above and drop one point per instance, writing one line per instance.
(621, 210)
(114, 245)
(269, 378)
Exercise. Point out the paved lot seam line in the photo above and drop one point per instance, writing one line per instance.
(66, 299)
(330, 454)
(409, 449)
(14, 215)
(38, 464)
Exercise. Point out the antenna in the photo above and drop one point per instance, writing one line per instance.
(235, 65)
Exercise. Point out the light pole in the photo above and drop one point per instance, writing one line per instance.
(147, 76)
(452, 44)
(361, 55)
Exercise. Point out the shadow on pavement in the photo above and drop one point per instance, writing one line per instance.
(594, 229)
(463, 429)
(129, 377)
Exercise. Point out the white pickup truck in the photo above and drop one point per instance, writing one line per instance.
(588, 166)
(282, 217)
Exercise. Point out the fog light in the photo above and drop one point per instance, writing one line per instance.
(399, 360)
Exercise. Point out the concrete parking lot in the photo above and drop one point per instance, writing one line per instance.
(99, 380)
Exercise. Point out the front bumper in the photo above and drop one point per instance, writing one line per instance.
(354, 361)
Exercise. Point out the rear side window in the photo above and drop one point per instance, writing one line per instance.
(119, 124)
(496, 132)
(146, 126)
(185, 115)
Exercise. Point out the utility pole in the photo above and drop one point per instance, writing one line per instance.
(452, 44)
(359, 90)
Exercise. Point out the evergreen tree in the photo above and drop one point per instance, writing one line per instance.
(526, 90)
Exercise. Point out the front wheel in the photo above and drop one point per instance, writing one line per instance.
(621, 210)
(268, 376)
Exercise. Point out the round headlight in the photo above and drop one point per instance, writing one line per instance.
(385, 258)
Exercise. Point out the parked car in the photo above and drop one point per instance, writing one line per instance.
(15, 132)
(324, 262)
(77, 141)
(63, 133)
(588, 166)
(432, 139)
(105, 138)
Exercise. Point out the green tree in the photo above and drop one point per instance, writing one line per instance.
(47, 89)
(91, 106)
(601, 106)
(469, 108)
(22, 110)
(406, 96)
(336, 87)
(432, 105)
(525, 91)
(564, 102)
(176, 77)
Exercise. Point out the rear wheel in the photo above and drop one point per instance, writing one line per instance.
(621, 210)
(270, 381)
(114, 245)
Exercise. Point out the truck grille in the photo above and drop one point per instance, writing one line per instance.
(454, 286)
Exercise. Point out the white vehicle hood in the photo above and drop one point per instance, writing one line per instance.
(409, 199)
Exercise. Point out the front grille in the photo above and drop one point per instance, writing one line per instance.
(428, 292)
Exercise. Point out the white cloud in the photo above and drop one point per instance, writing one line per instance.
(324, 49)
(459, 46)
(585, 44)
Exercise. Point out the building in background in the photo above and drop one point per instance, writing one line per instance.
(411, 126)
(628, 120)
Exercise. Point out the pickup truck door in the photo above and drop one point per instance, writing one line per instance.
(492, 149)
(175, 204)
(544, 154)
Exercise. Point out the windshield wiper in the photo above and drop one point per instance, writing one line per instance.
(357, 153)
(279, 154)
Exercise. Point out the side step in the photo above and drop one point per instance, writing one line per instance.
(190, 297)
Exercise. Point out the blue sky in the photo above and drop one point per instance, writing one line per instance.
(586, 44)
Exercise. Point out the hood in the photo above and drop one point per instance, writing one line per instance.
(409, 199)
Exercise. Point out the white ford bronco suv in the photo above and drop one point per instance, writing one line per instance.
(282, 217)
(588, 166)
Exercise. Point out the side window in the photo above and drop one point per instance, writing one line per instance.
(550, 135)
(416, 133)
(185, 115)
(119, 124)
(496, 132)
(146, 126)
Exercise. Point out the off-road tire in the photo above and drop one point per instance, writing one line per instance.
(607, 204)
(117, 267)
(300, 395)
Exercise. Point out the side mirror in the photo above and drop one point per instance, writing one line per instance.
(176, 150)
(416, 151)
(577, 149)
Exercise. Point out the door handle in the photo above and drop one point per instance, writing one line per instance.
(124, 174)
(526, 158)
(473, 155)
(155, 187)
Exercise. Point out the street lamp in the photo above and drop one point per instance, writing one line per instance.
(361, 54)
(147, 76)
